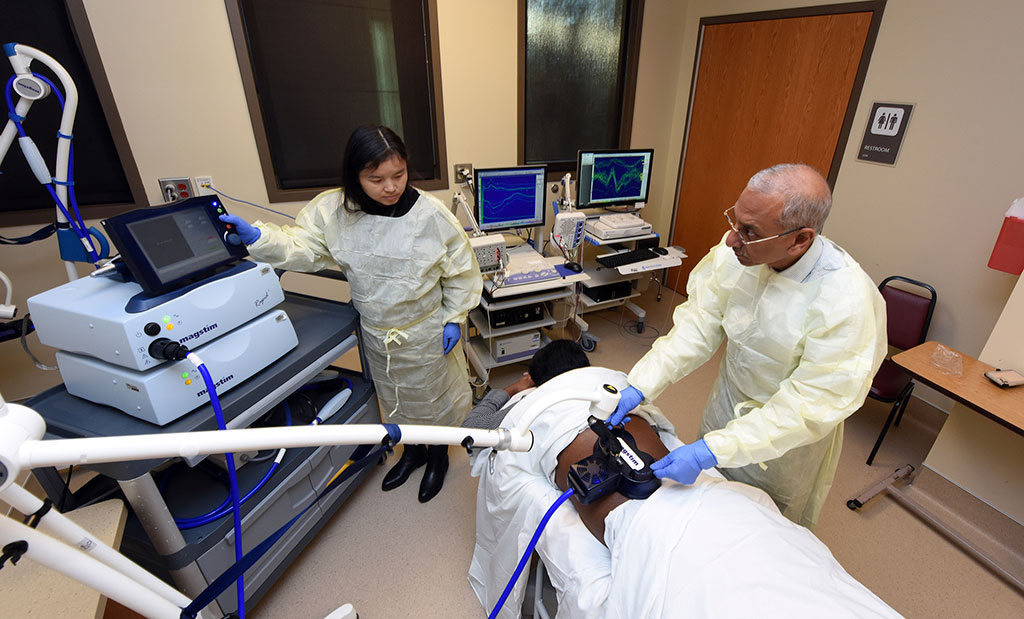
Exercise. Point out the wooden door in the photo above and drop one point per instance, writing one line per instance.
(766, 91)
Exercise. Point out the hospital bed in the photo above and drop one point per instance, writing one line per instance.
(714, 549)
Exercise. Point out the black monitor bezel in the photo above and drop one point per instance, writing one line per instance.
(133, 254)
(543, 168)
(605, 151)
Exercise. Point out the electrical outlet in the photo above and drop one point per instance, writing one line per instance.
(463, 172)
(177, 188)
(204, 186)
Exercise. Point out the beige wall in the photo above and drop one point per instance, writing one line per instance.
(934, 216)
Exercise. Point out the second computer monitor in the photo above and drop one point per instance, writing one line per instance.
(509, 198)
(613, 177)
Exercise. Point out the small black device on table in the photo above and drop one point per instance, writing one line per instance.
(616, 465)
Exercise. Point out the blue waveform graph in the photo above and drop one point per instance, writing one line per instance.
(508, 198)
(618, 177)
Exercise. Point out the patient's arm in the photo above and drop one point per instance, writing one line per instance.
(593, 514)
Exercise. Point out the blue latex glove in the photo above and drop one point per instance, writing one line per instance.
(685, 463)
(247, 232)
(450, 337)
(629, 398)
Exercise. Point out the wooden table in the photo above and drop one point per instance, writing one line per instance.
(1003, 405)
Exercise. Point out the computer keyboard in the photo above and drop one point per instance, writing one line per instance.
(530, 276)
(612, 261)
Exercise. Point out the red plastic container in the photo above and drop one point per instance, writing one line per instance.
(1008, 254)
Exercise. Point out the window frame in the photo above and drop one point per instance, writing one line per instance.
(275, 193)
(86, 41)
(634, 28)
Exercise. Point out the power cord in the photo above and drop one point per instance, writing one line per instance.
(224, 195)
(25, 330)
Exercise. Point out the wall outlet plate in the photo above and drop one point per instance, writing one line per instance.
(203, 186)
(176, 188)
(463, 172)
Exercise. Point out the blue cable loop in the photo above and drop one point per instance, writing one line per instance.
(223, 509)
(77, 223)
(83, 232)
(529, 551)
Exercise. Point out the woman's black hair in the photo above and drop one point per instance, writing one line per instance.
(557, 357)
(368, 147)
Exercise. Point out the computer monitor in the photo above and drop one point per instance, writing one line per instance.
(613, 177)
(509, 198)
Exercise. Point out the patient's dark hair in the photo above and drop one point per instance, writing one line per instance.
(557, 357)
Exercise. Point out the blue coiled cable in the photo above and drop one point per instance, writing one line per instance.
(224, 508)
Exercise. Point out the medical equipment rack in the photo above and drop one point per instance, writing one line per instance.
(193, 558)
(502, 298)
(601, 275)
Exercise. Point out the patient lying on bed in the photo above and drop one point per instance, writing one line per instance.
(713, 549)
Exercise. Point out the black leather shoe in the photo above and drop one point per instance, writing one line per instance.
(413, 457)
(433, 477)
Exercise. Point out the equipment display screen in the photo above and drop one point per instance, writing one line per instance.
(180, 243)
(167, 247)
(509, 198)
(606, 178)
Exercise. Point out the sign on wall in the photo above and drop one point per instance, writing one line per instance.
(884, 133)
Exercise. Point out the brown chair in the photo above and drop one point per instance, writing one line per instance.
(908, 316)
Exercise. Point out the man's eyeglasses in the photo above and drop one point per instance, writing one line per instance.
(743, 237)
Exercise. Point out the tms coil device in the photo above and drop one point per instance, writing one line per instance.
(616, 465)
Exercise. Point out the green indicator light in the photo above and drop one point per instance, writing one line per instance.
(167, 319)
(184, 374)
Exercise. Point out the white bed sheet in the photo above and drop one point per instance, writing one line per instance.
(714, 549)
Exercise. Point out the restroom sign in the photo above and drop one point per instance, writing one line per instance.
(884, 134)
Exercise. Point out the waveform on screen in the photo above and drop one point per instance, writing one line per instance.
(617, 177)
(508, 198)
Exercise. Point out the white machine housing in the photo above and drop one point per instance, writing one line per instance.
(88, 316)
(515, 346)
(568, 229)
(162, 394)
(618, 226)
(490, 252)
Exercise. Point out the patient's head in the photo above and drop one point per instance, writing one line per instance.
(557, 357)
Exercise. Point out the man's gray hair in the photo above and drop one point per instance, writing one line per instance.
(805, 194)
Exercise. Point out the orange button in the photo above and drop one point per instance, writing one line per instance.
(170, 326)
(188, 382)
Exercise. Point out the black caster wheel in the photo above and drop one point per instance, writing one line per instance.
(587, 344)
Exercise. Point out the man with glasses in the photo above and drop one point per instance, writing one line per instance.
(805, 331)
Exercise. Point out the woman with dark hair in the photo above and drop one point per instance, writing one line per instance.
(412, 276)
